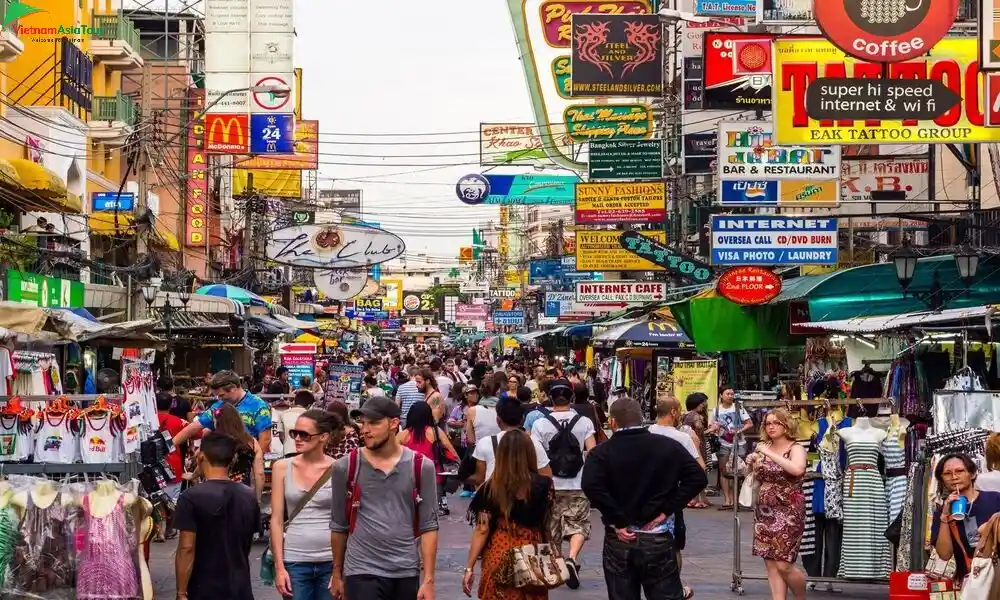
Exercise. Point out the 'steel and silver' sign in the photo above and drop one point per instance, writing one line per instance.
(333, 246)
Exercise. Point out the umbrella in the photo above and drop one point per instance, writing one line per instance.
(232, 292)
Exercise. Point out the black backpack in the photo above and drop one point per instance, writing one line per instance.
(565, 454)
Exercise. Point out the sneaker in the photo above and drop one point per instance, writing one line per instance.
(574, 574)
(444, 511)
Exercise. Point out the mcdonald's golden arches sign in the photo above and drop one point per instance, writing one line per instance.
(227, 133)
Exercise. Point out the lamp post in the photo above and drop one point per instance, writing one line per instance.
(904, 261)
(166, 312)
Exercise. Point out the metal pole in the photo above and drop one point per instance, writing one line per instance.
(142, 200)
(168, 316)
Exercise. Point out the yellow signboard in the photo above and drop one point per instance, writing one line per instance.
(513, 277)
(600, 251)
(610, 203)
(692, 376)
(279, 183)
(297, 111)
(393, 294)
(802, 193)
(953, 61)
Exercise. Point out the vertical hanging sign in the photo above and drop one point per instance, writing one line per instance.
(196, 199)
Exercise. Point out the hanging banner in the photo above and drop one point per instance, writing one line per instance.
(617, 55)
(601, 251)
(333, 246)
(737, 71)
(952, 61)
(691, 376)
(517, 144)
(196, 181)
(340, 284)
(610, 203)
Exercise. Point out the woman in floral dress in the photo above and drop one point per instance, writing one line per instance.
(346, 437)
(778, 465)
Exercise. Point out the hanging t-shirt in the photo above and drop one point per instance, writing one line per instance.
(6, 372)
(15, 439)
(98, 440)
(55, 441)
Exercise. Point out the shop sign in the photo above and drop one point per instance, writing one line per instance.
(393, 299)
(505, 292)
(470, 313)
(878, 99)
(368, 304)
(305, 154)
(749, 285)
(196, 182)
(345, 383)
(340, 284)
(554, 190)
(784, 11)
(227, 133)
(601, 251)
(906, 177)
(508, 317)
(46, 292)
(693, 83)
(76, 80)
(885, 31)
(739, 8)
(299, 366)
(620, 291)
(660, 254)
(747, 151)
(473, 287)
(419, 329)
(748, 193)
(701, 153)
(953, 61)
(515, 144)
(419, 303)
(333, 246)
(557, 271)
(544, 31)
(272, 133)
(564, 304)
(610, 203)
(390, 324)
(693, 36)
(798, 313)
(989, 34)
(738, 71)
(617, 55)
(625, 159)
(608, 122)
(303, 217)
(109, 201)
(773, 240)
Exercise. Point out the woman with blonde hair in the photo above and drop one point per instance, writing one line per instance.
(509, 511)
(778, 465)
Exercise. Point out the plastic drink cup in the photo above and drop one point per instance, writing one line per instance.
(960, 508)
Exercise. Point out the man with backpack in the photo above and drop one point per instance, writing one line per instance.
(566, 436)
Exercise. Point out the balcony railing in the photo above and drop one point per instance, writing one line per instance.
(116, 27)
(114, 108)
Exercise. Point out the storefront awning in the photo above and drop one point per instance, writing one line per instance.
(644, 331)
(297, 323)
(269, 324)
(186, 319)
(55, 324)
(979, 315)
(165, 239)
(45, 185)
(111, 223)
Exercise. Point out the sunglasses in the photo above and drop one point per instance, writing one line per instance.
(298, 434)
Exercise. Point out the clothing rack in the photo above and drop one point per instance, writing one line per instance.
(738, 576)
(82, 399)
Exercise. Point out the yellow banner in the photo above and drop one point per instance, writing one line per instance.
(692, 376)
(306, 155)
(279, 184)
(600, 251)
(954, 61)
(393, 294)
(803, 193)
(515, 277)
(297, 111)
(609, 203)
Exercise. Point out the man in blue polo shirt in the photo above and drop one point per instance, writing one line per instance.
(228, 387)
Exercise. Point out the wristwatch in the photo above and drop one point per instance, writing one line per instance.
(469, 570)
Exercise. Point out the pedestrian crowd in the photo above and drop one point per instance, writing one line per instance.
(534, 444)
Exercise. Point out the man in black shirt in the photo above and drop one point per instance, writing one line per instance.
(179, 407)
(217, 520)
(280, 385)
(640, 482)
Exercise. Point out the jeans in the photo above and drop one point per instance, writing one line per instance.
(648, 564)
(373, 587)
(310, 580)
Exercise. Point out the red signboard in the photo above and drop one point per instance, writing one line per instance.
(749, 285)
(992, 108)
(875, 32)
(737, 72)
(196, 202)
(557, 16)
(227, 134)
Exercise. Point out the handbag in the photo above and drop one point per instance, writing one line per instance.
(532, 566)
(735, 466)
(267, 570)
(938, 568)
(981, 583)
(748, 491)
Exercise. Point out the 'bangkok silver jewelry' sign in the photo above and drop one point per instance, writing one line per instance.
(333, 246)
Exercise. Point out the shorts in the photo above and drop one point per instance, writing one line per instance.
(570, 516)
(680, 531)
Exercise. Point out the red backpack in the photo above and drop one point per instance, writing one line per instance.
(354, 490)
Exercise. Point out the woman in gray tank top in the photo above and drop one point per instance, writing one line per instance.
(303, 560)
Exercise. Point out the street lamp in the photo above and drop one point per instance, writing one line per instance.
(166, 312)
(904, 261)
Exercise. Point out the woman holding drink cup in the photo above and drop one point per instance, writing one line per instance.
(956, 527)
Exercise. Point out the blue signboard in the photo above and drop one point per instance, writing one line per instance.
(508, 317)
(734, 8)
(371, 315)
(773, 240)
(112, 201)
(556, 190)
(376, 270)
(272, 134)
(558, 271)
(748, 193)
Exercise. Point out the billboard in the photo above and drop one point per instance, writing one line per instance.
(517, 144)
(554, 190)
(601, 251)
(608, 122)
(773, 240)
(196, 165)
(610, 203)
(905, 175)
(616, 55)
(737, 71)
(282, 183)
(227, 133)
(305, 156)
(953, 61)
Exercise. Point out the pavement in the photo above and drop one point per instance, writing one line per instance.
(707, 562)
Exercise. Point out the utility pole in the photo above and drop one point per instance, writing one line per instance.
(142, 201)
(248, 208)
(522, 268)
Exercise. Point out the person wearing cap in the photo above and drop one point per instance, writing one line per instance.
(375, 556)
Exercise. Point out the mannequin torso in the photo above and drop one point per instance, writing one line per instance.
(862, 431)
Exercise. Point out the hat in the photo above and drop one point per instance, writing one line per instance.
(559, 384)
(376, 409)
(470, 387)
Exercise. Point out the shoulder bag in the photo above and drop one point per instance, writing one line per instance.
(533, 566)
(982, 583)
(267, 570)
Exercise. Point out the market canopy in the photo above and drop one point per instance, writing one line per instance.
(980, 315)
(296, 323)
(59, 324)
(644, 331)
(232, 292)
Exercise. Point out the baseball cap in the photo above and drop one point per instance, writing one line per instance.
(376, 409)
(560, 384)
(469, 387)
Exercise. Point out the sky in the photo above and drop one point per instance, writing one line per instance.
(380, 77)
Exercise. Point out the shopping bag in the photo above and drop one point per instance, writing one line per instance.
(981, 583)
(748, 492)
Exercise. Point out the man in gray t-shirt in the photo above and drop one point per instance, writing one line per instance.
(380, 559)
